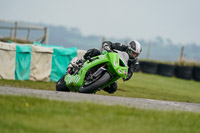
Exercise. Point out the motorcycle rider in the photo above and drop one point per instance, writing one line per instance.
(130, 52)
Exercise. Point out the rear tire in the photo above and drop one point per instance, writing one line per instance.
(96, 85)
(61, 85)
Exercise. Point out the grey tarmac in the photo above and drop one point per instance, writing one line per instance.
(102, 99)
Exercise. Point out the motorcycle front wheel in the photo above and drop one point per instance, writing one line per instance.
(61, 84)
(96, 85)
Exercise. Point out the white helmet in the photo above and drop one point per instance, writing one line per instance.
(134, 49)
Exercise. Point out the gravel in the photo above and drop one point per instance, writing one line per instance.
(102, 99)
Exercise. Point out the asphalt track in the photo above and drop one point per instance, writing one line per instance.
(102, 99)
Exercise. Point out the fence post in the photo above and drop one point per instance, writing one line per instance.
(10, 33)
(45, 35)
(148, 50)
(15, 30)
(28, 32)
(181, 55)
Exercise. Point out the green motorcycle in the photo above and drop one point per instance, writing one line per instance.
(94, 74)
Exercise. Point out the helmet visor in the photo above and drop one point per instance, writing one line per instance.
(133, 54)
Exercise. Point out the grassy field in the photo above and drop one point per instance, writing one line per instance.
(31, 115)
(141, 85)
(159, 87)
(29, 84)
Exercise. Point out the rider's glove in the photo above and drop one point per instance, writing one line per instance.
(128, 77)
(106, 47)
(133, 64)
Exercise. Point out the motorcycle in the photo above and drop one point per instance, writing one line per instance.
(94, 74)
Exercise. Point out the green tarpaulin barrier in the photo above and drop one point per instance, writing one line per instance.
(23, 62)
(60, 60)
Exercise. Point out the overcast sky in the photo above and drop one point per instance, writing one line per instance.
(178, 20)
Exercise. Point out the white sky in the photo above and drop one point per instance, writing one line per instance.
(178, 20)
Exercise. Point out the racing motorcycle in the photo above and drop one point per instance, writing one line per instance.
(94, 74)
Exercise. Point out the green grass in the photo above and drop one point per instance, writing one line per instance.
(31, 115)
(29, 84)
(159, 87)
(141, 85)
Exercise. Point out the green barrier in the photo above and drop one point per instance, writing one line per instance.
(23, 62)
(60, 60)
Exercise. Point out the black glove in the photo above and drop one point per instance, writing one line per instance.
(107, 46)
(133, 64)
(128, 76)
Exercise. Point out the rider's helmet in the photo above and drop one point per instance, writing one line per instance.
(134, 49)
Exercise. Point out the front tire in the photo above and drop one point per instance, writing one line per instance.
(96, 85)
(61, 85)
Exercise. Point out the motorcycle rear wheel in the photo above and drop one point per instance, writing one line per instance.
(61, 84)
(96, 85)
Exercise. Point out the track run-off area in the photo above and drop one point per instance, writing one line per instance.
(102, 99)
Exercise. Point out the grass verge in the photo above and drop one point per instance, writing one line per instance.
(141, 85)
(150, 86)
(29, 84)
(26, 114)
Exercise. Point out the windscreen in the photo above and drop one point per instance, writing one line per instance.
(124, 57)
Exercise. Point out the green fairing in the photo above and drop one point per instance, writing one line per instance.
(112, 60)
